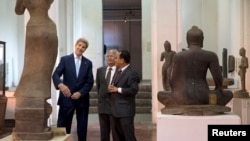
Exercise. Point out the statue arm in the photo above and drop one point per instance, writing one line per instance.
(246, 62)
(216, 72)
(20, 8)
(162, 57)
(173, 70)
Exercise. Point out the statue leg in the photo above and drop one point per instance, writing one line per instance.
(224, 97)
(165, 97)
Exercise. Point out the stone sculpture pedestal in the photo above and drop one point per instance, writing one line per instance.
(31, 115)
(241, 94)
(196, 110)
(59, 134)
(241, 107)
(190, 128)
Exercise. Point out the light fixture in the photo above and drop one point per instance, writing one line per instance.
(128, 16)
(125, 19)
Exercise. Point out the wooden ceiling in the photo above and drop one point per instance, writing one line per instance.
(121, 4)
(121, 9)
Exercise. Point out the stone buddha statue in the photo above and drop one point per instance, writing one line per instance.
(188, 76)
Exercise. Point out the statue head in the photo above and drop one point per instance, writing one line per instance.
(195, 36)
(242, 51)
(167, 45)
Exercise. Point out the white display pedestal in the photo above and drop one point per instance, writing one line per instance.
(190, 128)
(241, 107)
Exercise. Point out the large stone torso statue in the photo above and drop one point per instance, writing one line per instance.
(40, 49)
(188, 79)
(32, 110)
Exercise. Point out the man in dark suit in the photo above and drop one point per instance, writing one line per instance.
(74, 89)
(103, 79)
(123, 90)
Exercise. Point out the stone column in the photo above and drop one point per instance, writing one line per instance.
(165, 26)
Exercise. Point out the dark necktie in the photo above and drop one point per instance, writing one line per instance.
(117, 76)
(108, 76)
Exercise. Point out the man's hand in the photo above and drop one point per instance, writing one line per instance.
(64, 89)
(76, 95)
(112, 89)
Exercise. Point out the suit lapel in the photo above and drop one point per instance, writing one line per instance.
(103, 73)
(113, 79)
(72, 64)
(122, 74)
(81, 67)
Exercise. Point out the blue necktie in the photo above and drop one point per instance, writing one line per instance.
(77, 65)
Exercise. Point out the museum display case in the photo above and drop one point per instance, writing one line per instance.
(3, 98)
(2, 68)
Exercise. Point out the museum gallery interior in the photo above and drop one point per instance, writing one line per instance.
(141, 27)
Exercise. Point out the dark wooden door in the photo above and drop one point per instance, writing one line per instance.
(125, 35)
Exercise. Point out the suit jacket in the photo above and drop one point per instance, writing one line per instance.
(83, 83)
(103, 96)
(123, 104)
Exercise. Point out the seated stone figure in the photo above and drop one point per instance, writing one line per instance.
(188, 76)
